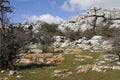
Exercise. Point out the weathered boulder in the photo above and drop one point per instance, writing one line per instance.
(94, 42)
(85, 42)
(116, 67)
(2, 71)
(99, 68)
(84, 46)
(97, 38)
(58, 41)
(11, 73)
(78, 41)
(84, 68)
(106, 45)
(65, 44)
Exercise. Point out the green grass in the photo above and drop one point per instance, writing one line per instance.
(45, 72)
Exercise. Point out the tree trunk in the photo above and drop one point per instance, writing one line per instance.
(44, 48)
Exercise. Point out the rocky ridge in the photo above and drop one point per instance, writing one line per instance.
(95, 17)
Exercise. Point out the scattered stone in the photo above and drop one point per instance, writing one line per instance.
(16, 73)
(99, 68)
(62, 73)
(5, 78)
(97, 38)
(105, 62)
(11, 73)
(2, 71)
(101, 62)
(116, 67)
(84, 68)
(19, 76)
(77, 59)
(118, 63)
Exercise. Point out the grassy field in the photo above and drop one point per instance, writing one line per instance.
(45, 72)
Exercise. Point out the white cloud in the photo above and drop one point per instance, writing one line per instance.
(72, 5)
(45, 17)
(66, 6)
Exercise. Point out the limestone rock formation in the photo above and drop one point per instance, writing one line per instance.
(96, 43)
(95, 17)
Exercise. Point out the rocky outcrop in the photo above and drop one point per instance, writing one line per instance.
(43, 59)
(96, 43)
(95, 17)
(105, 62)
(35, 26)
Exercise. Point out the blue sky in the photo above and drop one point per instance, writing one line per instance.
(26, 8)
(54, 10)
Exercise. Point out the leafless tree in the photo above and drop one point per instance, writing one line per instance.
(4, 9)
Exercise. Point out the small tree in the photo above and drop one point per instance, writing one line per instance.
(45, 35)
(73, 35)
(115, 43)
(4, 9)
(12, 39)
